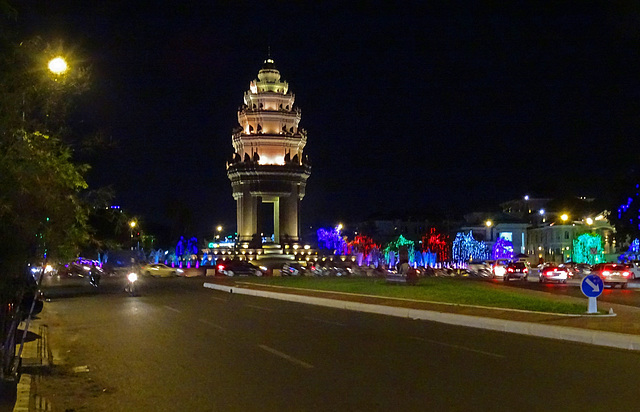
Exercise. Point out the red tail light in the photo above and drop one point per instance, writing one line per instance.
(606, 273)
(626, 274)
(220, 267)
(510, 270)
(526, 270)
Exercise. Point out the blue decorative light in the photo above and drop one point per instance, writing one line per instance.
(502, 249)
(332, 239)
(466, 248)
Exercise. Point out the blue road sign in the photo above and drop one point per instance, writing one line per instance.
(592, 286)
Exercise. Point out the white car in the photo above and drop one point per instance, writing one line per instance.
(160, 270)
(499, 268)
(634, 268)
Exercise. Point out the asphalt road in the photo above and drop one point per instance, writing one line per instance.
(629, 296)
(181, 347)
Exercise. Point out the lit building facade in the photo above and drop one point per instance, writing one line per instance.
(553, 242)
(268, 164)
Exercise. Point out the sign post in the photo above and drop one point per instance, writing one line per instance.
(592, 286)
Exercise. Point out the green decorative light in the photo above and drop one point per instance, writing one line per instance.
(587, 248)
(399, 243)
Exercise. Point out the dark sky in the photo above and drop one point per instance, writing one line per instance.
(408, 107)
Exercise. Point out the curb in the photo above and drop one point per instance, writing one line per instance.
(592, 337)
(35, 356)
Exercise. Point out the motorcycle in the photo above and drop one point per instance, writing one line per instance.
(94, 278)
(131, 287)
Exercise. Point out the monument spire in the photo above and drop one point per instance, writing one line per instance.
(268, 166)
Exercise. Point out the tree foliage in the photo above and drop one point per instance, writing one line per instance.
(41, 210)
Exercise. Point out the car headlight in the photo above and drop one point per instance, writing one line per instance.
(179, 271)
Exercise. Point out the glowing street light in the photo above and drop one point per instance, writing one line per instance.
(132, 225)
(589, 221)
(488, 223)
(58, 66)
(564, 217)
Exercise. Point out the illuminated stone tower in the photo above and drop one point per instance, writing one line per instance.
(268, 165)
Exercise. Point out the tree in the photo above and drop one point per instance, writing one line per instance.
(42, 215)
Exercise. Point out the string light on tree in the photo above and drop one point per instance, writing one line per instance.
(587, 248)
(438, 244)
(466, 248)
(502, 249)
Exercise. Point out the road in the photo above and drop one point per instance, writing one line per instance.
(629, 296)
(181, 347)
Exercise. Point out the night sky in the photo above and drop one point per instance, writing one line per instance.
(409, 109)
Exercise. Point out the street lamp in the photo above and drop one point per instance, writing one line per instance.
(488, 223)
(58, 66)
(218, 229)
(564, 217)
(132, 225)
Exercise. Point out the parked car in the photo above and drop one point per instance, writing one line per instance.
(337, 268)
(480, 268)
(237, 268)
(634, 268)
(160, 270)
(551, 273)
(294, 269)
(582, 269)
(612, 274)
(516, 270)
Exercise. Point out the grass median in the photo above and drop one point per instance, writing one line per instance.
(444, 290)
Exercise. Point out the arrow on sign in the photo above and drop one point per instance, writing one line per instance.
(593, 285)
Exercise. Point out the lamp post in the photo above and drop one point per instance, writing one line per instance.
(56, 67)
(132, 225)
(488, 224)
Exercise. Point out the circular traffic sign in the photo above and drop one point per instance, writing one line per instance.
(592, 286)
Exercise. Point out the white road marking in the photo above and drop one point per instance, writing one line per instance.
(220, 299)
(206, 322)
(495, 355)
(79, 369)
(286, 357)
(260, 308)
(173, 309)
(325, 321)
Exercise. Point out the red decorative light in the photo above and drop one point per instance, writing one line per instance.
(437, 243)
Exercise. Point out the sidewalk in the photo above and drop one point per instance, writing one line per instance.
(620, 329)
(36, 360)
